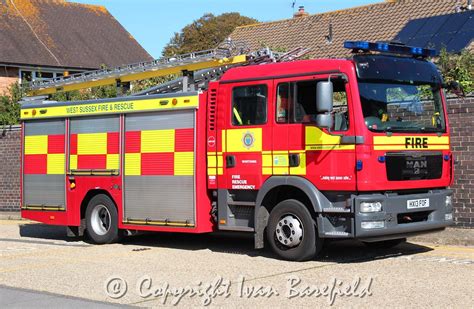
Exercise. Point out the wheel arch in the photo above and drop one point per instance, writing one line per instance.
(277, 188)
(89, 196)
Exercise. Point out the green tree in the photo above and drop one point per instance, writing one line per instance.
(9, 106)
(458, 67)
(205, 33)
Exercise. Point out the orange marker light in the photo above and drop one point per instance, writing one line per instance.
(175, 101)
(34, 112)
(52, 217)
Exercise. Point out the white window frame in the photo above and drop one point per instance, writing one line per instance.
(35, 72)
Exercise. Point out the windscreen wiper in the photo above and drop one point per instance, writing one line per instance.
(432, 130)
(402, 129)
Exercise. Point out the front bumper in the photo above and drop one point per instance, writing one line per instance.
(398, 220)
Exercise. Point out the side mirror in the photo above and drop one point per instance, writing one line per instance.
(324, 121)
(455, 88)
(324, 95)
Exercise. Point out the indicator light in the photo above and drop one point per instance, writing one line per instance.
(372, 225)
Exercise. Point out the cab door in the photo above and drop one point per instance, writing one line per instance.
(312, 152)
(247, 134)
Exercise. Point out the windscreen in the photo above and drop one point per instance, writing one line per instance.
(400, 94)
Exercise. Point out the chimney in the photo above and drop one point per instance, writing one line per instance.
(301, 12)
(460, 8)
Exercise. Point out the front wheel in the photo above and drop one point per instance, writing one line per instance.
(292, 233)
(102, 220)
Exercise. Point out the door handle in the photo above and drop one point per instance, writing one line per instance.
(294, 159)
(230, 161)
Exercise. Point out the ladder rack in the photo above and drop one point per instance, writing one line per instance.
(200, 79)
(203, 66)
(138, 71)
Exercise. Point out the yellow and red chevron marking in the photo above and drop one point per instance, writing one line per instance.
(159, 152)
(44, 154)
(94, 151)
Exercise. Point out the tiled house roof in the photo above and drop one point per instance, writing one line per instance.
(376, 22)
(64, 34)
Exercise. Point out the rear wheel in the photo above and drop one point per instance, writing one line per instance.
(102, 220)
(292, 232)
(385, 244)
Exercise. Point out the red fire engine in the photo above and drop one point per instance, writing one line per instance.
(292, 151)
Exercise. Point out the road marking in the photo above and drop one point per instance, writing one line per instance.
(451, 248)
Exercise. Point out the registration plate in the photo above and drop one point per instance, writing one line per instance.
(419, 203)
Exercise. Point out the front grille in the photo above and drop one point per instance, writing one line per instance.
(414, 166)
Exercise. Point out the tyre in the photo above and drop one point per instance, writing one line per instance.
(102, 220)
(385, 244)
(291, 232)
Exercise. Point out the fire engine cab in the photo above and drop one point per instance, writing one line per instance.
(294, 152)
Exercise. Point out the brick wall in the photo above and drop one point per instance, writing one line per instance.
(461, 116)
(461, 120)
(8, 76)
(10, 169)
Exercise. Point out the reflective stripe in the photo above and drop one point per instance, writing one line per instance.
(56, 164)
(112, 161)
(92, 143)
(111, 107)
(183, 163)
(244, 140)
(317, 139)
(301, 169)
(402, 147)
(157, 141)
(425, 142)
(73, 162)
(133, 164)
(36, 144)
(401, 140)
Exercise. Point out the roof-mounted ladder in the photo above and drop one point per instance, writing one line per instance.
(225, 56)
(139, 71)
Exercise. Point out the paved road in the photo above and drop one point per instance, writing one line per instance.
(225, 270)
(20, 298)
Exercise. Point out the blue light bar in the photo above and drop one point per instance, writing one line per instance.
(390, 48)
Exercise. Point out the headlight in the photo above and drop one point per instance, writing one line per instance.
(370, 206)
(449, 200)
